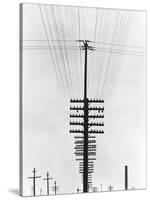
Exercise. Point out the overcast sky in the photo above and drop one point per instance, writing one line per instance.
(47, 144)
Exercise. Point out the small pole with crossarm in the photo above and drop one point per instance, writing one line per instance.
(55, 188)
(34, 178)
(47, 180)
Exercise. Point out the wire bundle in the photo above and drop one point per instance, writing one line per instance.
(107, 29)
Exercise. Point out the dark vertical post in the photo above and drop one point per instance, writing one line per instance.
(34, 177)
(55, 188)
(47, 183)
(110, 187)
(85, 71)
(126, 177)
(84, 147)
(85, 154)
(34, 181)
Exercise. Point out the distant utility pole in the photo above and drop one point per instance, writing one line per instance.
(126, 177)
(110, 187)
(34, 178)
(55, 188)
(47, 181)
(85, 144)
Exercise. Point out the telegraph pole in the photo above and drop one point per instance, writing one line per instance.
(110, 187)
(34, 178)
(126, 177)
(85, 154)
(85, 144)
(47, 181)
(55, 188)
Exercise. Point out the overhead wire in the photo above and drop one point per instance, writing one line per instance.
(92, 66)
(103, 57)
(67, 53)
(74, 63)
(104, 85)
(119, 61)
(94, 42)
(124, 37)
(80, 55)
(99, 58)
(54, 52)
(113, 63)
(63, 27)
(120, 64)
(116, 51)
(67, 75)
(52, 32)
(52, 59)
(113, 66)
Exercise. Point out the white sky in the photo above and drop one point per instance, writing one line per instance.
(47, 144)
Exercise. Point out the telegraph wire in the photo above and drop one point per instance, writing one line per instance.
(67, 57)
(67, 75)
(101, 43)
(49, 48)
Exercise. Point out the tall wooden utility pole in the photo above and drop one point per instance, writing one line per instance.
(85, 145)
(34, 178)
(85, 148)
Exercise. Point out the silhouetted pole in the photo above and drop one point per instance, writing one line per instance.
(85, 70)
(85, 144)
(34, 177)
(47, 180)
(126, 177)
(110, 187)
(55, 188)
